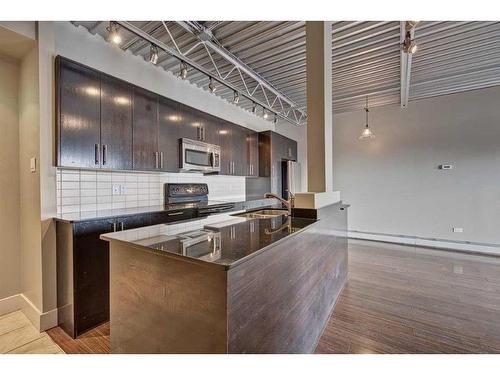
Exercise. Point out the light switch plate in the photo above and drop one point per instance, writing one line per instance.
(123, 189)
(116, 189)
(33, 164)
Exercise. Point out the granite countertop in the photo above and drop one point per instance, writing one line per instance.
(222, 240)
(105, 214)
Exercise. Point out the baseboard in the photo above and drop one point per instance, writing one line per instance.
(41, 321)
(10, 304)
(470, 247)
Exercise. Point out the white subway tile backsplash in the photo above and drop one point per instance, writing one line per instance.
(84, 190)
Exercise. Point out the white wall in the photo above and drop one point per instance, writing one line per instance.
(393, 182)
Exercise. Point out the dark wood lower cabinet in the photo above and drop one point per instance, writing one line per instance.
(83, 267)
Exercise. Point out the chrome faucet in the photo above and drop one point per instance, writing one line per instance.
(289, 204)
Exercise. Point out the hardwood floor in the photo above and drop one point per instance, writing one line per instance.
(402, 299)
(95, 341)
(398, 299)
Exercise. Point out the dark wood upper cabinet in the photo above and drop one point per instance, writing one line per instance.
(104, 122)
(170, 120)
(273, 149)
(116, 124)
(145, 130)
(210, 126)
(188, 124)
(252, 153)
(239, 150)
(78, 107)
(225, 142)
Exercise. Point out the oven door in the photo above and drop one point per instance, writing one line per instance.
(199, 157)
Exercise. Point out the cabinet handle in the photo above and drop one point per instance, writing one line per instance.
(104, 154)
(121, 226)
(233, 167)
(161, 160)
(96, 153)
(156, 159)
(203, 131)
(114, 227)
(198, 133)
(175, 213)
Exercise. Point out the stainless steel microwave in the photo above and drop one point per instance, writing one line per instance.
(196, 156)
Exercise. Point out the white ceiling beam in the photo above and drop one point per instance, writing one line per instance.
(406, 60)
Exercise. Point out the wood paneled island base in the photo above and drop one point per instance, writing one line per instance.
(275, 300)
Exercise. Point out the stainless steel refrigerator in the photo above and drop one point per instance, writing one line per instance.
(290, 178)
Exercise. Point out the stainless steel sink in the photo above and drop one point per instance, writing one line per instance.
(264, 214)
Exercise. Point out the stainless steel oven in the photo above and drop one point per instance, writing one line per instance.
(199, 156)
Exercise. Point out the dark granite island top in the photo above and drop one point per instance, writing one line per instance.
(227, 284)
(226, 241)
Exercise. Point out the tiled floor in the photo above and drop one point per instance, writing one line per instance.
(18, 336)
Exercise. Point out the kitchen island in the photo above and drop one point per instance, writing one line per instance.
(236, 284)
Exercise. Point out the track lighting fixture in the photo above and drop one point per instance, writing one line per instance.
(236, 97)
(114, 36)
(409, 45)
(275, 119)
(254, 108)
(211, 86)
(153, 54)
(264, 113)
(184, 70)
(367, 132)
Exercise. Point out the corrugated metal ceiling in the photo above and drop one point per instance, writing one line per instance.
(452, 57)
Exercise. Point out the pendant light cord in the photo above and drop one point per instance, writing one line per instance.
(366, 111)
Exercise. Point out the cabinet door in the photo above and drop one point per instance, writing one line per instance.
(145, 128)
(78, 103)
(116, 123)
(210, 129)
(225, 139)
(238, 151)
(252, 153)
(132, 222)
(189, 124)
(169, 119)
(91, 274)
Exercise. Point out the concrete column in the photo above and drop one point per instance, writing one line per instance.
(319, 118)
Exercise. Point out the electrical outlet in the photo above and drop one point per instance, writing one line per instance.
(123, 189)
(458, 230)
(116, 189)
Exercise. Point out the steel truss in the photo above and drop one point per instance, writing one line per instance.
(251, 85)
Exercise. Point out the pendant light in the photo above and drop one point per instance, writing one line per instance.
(367, 132)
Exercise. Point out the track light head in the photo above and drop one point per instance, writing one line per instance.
(409, 45)
(264, 113)
(153, 54)
(236, 97)
(211, 86)
(254, 108)
(275, 119)
(113, 33)
(184, 70)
